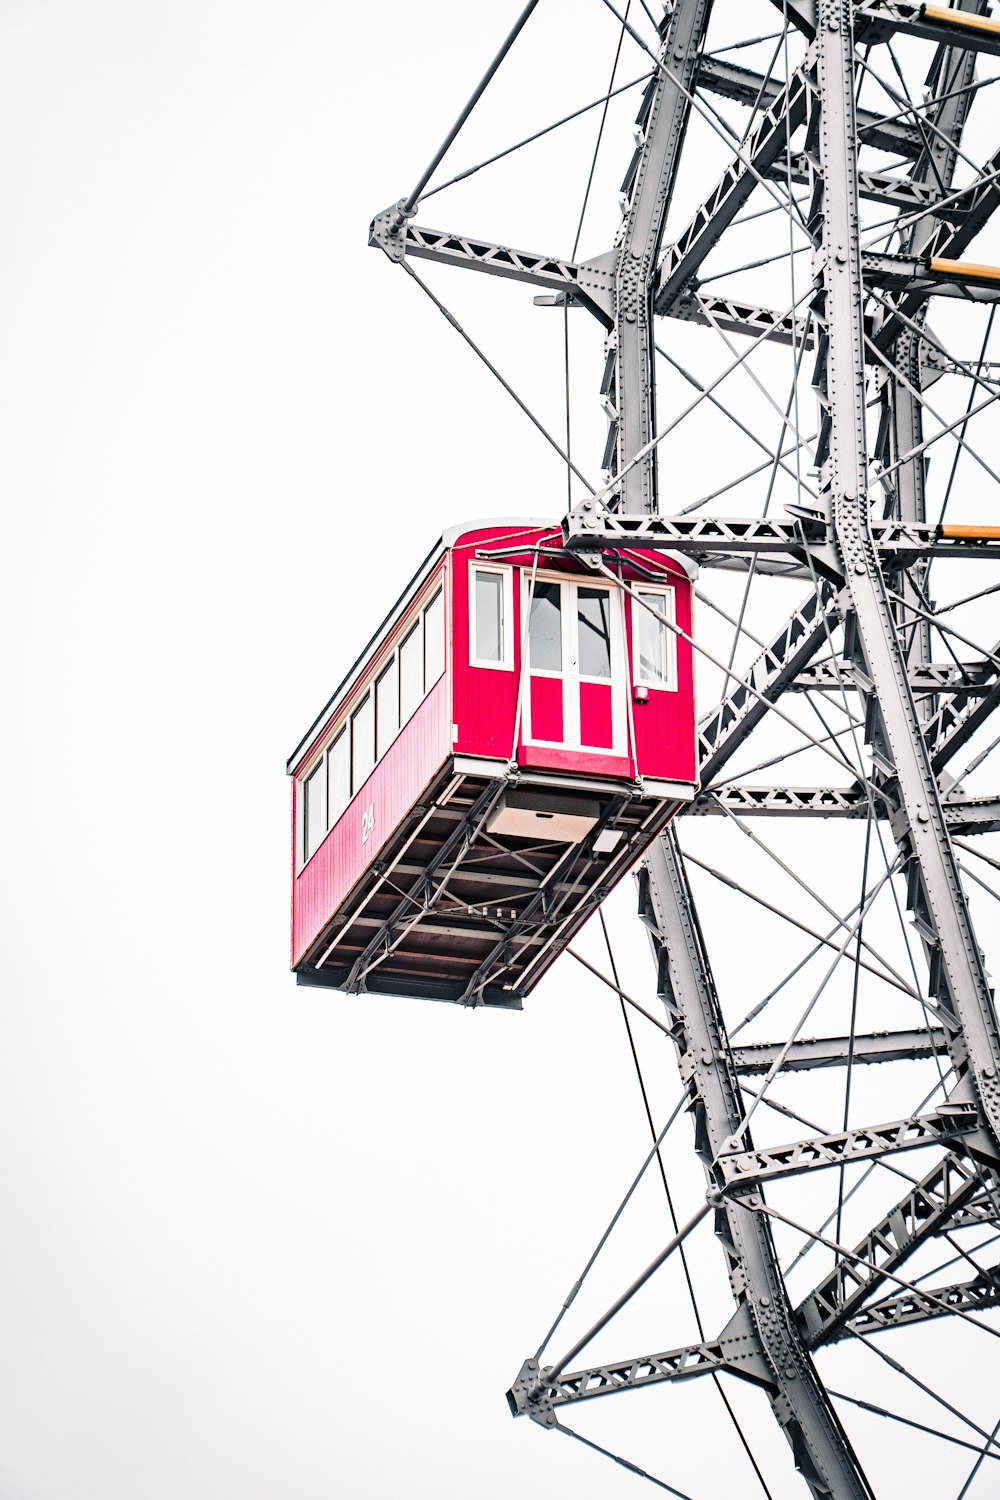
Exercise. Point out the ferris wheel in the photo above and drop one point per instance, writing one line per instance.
(802, 288)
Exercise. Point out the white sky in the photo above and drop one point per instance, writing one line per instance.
(258, 1241)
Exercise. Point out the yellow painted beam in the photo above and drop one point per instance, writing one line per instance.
(961, 268)
(972, 533)
(950, 17)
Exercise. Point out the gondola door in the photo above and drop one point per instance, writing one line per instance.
(576, 667)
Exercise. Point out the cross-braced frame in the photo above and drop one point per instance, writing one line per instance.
(842, 272)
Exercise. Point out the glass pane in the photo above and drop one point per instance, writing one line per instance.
(545, 628)
(362, 742)
(339, 792)
(433, 640)
(386, 708)
(655, 640)
(489, 617)
(411, 672)
(593, 613)
(315, 811)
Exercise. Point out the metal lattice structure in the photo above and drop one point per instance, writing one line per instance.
(901, 699)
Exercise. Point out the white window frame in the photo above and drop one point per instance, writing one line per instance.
(507, 634)
(391, 664)
(344, 726)
(343, 733)
(436, 597)
(318, 766)
(668, 595)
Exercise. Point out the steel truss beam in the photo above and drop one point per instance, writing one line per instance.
(764, 1316)
(760, 152)
(731, 1356)
(628, 386)
(724, 730)
(591, 283)
(916, 1307)
(839, 1051)
(939, 1126)
(958, 977)
(882, 187)
(970, 680)
(536, 1395)
(952, 1192)
(961, 814)
(588, 284)
(716, 75)
(880, 20)
(591, 526)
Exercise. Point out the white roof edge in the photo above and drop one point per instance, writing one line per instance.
(689, 564)
(535, 523)
(546, 523)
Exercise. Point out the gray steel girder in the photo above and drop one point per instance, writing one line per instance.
(590, 525)
(961, 814)
(968, 681)
(939, 1126)
(763, 1315)
(732, 1354)
(535, 1394)
(839, 1051)
(728, 725)
(958, 977)
(957, 720)
(916, 1307)
(589, 283)
(759, 153)
(950, 1191)
(628, 387)
(882, 187)
(879, 20)
(733, 315)
(719, 76)
(933, 171)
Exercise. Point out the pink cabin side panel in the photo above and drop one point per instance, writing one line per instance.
(374, 812)
(665, 736)
(485, 697)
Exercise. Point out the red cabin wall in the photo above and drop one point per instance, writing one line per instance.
(665, 724)
(396, 783)
(485, 699)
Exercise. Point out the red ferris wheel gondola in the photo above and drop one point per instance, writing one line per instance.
(504, 749)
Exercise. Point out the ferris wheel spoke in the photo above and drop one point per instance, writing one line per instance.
(747, 475)
(936, 1432)
(775, 455)
(927, 1389)
(500, 378)
(968, 368)
(826, 941)
(536, 135)
(984, 1454)
(844, 924)
(962, 443)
